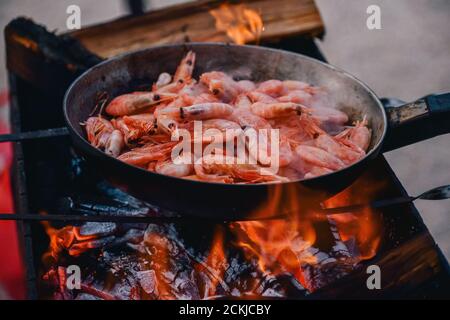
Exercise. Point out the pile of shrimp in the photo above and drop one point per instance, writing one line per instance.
(314, 139)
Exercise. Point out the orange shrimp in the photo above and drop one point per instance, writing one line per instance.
(317, 171)
(329, 115)
(221, 85)
(256, 96)
(226, 169)
(143, 155)
(228, 129)
(140, 125)
(319, 157)
(102, 134)
(98, 131)
(297, 96)
(276, 110)
(359, 135)
(294, 85)
(246, 85)
(115, 144)
(183, 74)
(246, 119)
(131, 103)
(200, 111)
(324, 141)
(171, 168)
(271, 87)
(163, 80)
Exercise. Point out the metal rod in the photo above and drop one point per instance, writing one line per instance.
(378, 204)
(122, 219)
(39, 134)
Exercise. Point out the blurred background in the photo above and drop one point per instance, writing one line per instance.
(408, 58)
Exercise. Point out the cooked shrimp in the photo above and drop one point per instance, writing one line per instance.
(226, 169)
(246, 119)
(294, 85)
(242, 101)
(102, 134)
(98, 131)
(221, 85)
(276, 110)
(204, 98)
(228, 129)
(358, 135)
(329, 115)
(185, 68)
(271, 87)
(202, 111)
(288, 125)
(168, 167)
(131, 103)
(256, 96)
(163, 80)
(317, 171)
(167, 126)
(246, 85)
(286, 154)
(319, 157)
(324, 141)
(297, 96)
(143, 155)
(115, 144)
(139, 125)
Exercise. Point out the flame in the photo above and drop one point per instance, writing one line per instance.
(240, 23)
(65, 239)
(215, 263)
(289, 245)
(364, 226)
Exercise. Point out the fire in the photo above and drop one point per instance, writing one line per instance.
(240, 23)
(363, 226)
(215, 262)
(67, 238)
(300, 244)
(292, 245)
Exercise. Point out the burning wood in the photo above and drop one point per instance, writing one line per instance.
(282, 258)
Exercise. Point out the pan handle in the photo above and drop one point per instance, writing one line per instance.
(416, 121)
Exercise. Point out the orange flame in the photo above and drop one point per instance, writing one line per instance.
(216, 261)
(241, 24)
(67, 238)
(288, 245)
(363, 226)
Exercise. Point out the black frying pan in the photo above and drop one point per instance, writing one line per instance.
(407, 124)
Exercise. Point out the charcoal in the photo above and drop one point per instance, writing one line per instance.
(133, 236)
(86, 296)
(82, 246)
(175, 261)
(99, 229)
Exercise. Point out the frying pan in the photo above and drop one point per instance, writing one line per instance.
(391, 128)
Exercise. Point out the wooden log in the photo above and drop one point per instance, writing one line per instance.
(192, 22)
(48, 61)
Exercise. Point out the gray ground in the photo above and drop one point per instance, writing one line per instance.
(407, 59)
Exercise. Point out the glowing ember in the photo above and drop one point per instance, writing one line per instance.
(240, 23)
